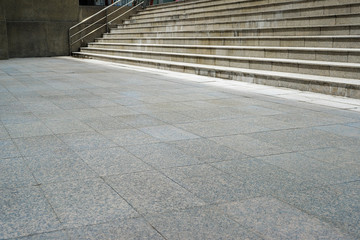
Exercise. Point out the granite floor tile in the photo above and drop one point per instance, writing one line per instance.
(336, 204)
(276, 220)
(86, 113)
(208, 186)
(84, 202)
(314, 170)
(17, 118)
(25, 211)
(135, 228)
(140, 120)
(105, 123)
(207, 150)
(336, 156)
(128, 137)
(354, 124)
(117, 111)
(264, 177)
(58, 167)
(88, 140)
(39, 145)
(32, 129)
(67, 126)
(14, 173)
(199, 223)
(221, 127)
(172, 117)
(113, 161)
(299, 139)
(8, 149)
(248, 145)
(152, 192)
(167, 133)
(162, 155)
(342, 130)
(56, 235)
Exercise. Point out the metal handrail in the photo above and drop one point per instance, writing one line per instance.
(107, 23)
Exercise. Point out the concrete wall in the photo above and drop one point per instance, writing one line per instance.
(3, 34)
(38, 28)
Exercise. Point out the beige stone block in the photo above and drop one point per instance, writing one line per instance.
(239, 64)
(320, 88)
(276, 54)
(332, 56)
(338, 10)
(322, 21)
(354, 57)
(283, 67)
(326, 43)
(314, 70)
(294, 84)
(222, 62)
(353, 73)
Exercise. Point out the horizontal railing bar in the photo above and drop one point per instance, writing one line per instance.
(103, 18)
(126, 12)
(72, 43)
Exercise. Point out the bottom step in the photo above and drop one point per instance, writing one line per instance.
(327, 85)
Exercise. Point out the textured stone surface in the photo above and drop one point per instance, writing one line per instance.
(98, 151)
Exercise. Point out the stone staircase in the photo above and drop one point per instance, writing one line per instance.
(310, 45)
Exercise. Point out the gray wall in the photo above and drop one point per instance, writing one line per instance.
(37, 28)
(3, 34)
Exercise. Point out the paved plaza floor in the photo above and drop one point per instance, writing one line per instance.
(92, 150)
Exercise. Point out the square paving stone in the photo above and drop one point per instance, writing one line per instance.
(172, 117)
(128, 137)
(152, 192)
(308, 168)
(248, 145)
(57, 235)
(8, 149)
(15, 173)
(117, 111)
(168, 133)
(207, 150)
(135, 228)
(276, 220)
(84, 202)
(67, 126)
(88, 140)
(299, 139)
(59, 167)
(208, 186)
(32, 129)
(113, 161)
(39, 145)
(140, 120)
(221, 127)
(337, 204)
(3, 132)
(162, 155)
(199, 223)
(105, 123)
(25, 211)
(342, 130)
(264, 177)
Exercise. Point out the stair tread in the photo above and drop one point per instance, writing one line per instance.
(278, 60)
(312, 78)
(237, 47)
(243, 29)
(237, 22)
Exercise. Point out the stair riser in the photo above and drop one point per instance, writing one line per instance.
(327, 43)
(342, 72)
(331, 21)
(303, 31)
(303, 85)
(316, 9)
(201, 7)
(289, 13)
(285, 54)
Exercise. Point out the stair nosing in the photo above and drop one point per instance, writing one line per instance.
(314, 78)
(277, 60)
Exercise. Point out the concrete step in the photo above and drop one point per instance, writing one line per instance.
(197, 7)
(331, 20)
(321, 68)
(301, 53)
(306, 82)
(340, 41)
(346, 29)
(251, 16)
(319, 7)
